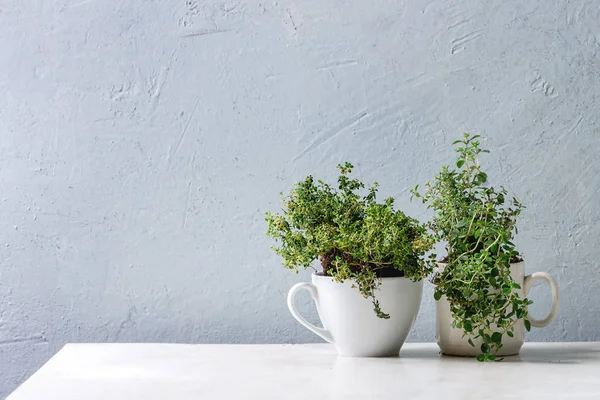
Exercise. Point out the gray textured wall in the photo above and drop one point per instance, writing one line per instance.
(142, 141)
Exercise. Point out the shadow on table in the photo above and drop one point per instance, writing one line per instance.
(571, 353)
(420, 353)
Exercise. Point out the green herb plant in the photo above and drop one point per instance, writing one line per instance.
(477, 223)
(354, 237)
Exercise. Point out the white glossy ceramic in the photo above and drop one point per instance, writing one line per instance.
(349, 322)
(451, 340)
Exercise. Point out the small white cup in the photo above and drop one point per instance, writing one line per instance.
(349, 321)
(451, 340)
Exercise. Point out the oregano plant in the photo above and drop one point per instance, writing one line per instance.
(476, 222)
(354, 236)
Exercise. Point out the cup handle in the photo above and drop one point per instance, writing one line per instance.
(553, 287)
(312, 289)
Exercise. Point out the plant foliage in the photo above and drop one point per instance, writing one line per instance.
(353, 235)
(477, 223)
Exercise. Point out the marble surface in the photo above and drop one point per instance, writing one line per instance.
(178, 371)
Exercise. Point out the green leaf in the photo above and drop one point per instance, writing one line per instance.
(510, 334)
(460, 162)
(485, 348)
(497, 337)
(437, 295)
(468, 326)
(480, 358)
(483, 176)
(527, 325)
(471, 342)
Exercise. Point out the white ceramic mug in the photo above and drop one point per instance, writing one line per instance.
(349, 321)
(451, 340)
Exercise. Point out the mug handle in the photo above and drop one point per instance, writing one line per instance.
(553, 287)
(312, 289)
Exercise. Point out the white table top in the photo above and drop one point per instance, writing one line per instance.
(177, 371)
